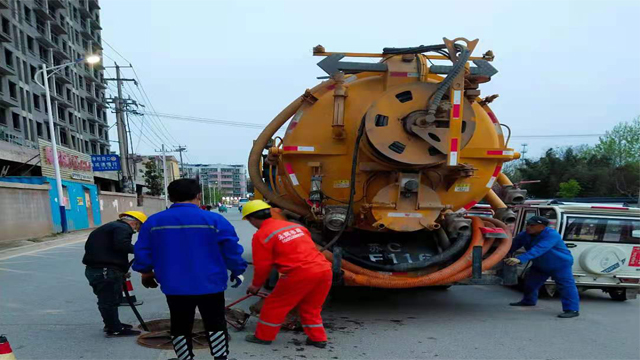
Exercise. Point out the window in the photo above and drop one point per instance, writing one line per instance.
(65, 196)
(13, 90)
(63, 137)
(94, 150)
(80, 82)
(61, 116)
(31, 45)
(6, 26)
(70, 115)
(27, 15)
(16, 121)
(611, 230)
(34, 70)
(84, 125)
(8, 57)
(92, 129)
(39, 130)
(3, 116)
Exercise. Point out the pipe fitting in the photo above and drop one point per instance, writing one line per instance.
(506, 215)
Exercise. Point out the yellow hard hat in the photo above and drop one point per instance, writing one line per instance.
(138, 215)
(254, 206)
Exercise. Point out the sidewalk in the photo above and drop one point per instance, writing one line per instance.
(11, 248)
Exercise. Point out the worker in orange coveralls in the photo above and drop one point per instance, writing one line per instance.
(305, 278)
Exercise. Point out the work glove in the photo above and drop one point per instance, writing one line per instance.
(253, 290)
(237, 280)
(512, 261)
(149, 280)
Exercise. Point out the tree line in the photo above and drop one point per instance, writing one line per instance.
(611, 168)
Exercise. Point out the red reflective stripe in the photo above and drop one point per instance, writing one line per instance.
(129, 286)
(331, 87)
(494, 152)
(5, 348)
(610, 207)
(485, 230)
(290, 148)
(399, 74)
(493, 117)
(399, 273)
(496, 172)
(288, 168)
(454, 144)
(456, 111)
(470, 205)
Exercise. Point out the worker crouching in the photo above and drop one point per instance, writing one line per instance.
(305, 278)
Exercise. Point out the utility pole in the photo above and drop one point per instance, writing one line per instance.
(127, 182)
(180, 149)
(164, 170)
(524, 150)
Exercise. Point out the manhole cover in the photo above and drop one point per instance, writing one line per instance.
(160, 338)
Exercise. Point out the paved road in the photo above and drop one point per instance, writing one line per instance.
(48, 312)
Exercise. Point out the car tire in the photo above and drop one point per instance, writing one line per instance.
(618, 294)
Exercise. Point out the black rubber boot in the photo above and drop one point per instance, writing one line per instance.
(255, 340)
(183, 347)
(318, 344)
(125, 326)
(569, 314)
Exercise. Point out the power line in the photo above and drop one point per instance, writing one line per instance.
(210, 120)
(558, 136)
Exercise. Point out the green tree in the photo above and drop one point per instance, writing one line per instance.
(152, 178)
(569, 189)
(621, 144)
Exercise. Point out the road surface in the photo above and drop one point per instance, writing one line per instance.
(48, 311)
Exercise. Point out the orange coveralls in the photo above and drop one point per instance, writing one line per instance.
(305, 278)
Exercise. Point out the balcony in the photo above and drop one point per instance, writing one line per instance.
(59, 27)
(44, 37)
(92, 117)
(5, 69)
(7, 101)
(63, 77)
(5, 35)
(93, 5)
(58, 4)
(84, 9)
(101, 85)
(96, 47)
(41, 10)
(94, 24)
(4, 4)
(92, 98)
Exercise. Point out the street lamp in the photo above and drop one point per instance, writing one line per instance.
(90, 59)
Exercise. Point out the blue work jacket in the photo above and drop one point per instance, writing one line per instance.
(547, 250)
(189, 249)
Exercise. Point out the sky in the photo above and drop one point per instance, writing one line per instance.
(565, 67)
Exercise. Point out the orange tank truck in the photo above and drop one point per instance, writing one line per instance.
(380, 160)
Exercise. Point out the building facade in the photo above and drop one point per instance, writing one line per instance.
(51, 32)
(229, 180)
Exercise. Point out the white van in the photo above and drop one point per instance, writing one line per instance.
(604, 240)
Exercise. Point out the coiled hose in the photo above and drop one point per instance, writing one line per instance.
(460, 269)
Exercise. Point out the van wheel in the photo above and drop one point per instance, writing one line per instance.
(618, 294)
(548, 291)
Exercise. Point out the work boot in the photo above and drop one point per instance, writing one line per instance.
(569, 314)
(123, 333)
(520, 303)
(318, 344)
(124, 326)
(255, 340)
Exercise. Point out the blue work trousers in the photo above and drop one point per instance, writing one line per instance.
(565, 284)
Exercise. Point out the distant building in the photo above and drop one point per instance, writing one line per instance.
(230, 180)
(140, 161)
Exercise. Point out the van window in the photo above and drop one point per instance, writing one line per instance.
(616, 230)
(552, 215)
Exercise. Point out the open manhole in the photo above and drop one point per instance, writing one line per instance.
(159, 337)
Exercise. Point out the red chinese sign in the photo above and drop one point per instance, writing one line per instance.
(68, 161)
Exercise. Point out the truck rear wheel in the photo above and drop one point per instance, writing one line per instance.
(618, 294)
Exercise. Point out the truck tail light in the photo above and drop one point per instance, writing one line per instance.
(629, 281)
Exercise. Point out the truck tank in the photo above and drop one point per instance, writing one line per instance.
(380, 160)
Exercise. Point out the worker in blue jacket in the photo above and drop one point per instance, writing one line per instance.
(188, 251)
(551, 258)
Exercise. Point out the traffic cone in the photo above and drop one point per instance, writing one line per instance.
(5, 349)
(129, 286)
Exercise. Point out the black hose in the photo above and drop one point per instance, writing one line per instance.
(414, 50)
(462, 241)
(130, 300)
(352, 189)
(448, 80)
